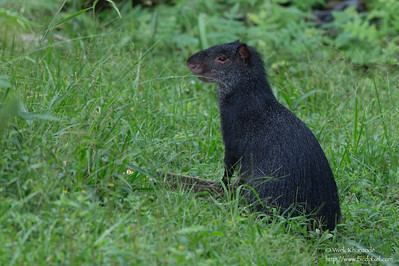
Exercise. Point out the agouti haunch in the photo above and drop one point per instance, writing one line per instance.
(278, 158)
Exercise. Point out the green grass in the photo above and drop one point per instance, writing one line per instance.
(93, 107)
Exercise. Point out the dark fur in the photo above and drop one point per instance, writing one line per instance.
(276, 153)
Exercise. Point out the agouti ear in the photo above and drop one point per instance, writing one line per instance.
(244, 53)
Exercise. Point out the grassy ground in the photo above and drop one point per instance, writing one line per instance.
(92, 107)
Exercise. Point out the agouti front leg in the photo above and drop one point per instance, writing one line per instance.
(228, 173)
(229, 164)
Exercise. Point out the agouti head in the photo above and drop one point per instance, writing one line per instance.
(229, 65)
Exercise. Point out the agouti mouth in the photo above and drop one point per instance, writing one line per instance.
(204, 79)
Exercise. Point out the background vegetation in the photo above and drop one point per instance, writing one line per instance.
(87, 97)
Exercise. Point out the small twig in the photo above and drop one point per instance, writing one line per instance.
(197, 184)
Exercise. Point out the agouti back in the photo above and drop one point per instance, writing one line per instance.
(275, 152)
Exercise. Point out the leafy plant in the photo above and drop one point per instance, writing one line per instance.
(361, 40)
(11, 21)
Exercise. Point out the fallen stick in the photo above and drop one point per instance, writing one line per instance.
(196, 184)
(193, 183)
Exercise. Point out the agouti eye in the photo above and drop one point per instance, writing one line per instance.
(221, 59)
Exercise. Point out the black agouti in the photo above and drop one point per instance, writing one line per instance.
(279, 159)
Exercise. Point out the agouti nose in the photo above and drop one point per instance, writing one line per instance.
(195, 68)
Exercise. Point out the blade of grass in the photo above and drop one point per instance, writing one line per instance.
(202, 30)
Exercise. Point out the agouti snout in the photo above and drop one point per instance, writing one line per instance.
(275, 153)
(194, 67)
